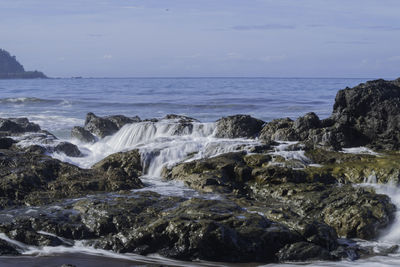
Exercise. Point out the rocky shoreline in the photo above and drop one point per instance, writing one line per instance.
(270, 208)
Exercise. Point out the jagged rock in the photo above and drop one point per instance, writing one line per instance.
(83, 135)
(68, 149)
(279, 130)
(104, 126)
(18, 126)
(238, 126)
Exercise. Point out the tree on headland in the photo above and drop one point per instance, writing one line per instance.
(10, 68)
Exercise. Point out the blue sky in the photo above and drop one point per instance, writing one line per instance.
(142, 38)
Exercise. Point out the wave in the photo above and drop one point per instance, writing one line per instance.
(24, 100)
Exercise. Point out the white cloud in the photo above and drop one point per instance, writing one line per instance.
(107, 56)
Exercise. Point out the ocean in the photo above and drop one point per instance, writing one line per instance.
(59, 104)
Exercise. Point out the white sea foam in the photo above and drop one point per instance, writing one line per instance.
(359, 150)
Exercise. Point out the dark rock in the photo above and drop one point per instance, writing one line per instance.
(35, 149)
(104, 126)
(305, 195)
(83, 135)
(279, 130)
(18, 126)
(371, 112)
(68, 149)
(8, 249)
(27, 178)
(304, 251)
(122, 170)
(179, 118)
(6, 143)
(238, 126)
(31, 237)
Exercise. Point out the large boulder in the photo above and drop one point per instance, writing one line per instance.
(17, 126)
(105, 126)
(238, 126)
(371, 112)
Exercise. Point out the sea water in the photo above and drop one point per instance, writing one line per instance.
(59, 104)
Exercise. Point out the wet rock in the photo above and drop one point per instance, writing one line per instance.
(279, 130)
(35, 149)
(195, 229)
(179, 118)
(17, 126)
(83, 135)
(8, 249)
(238, 126)
(68, 149)
(31, 237)
(305, 194)
(104, 126)
(28, 178)
(6, 143)
(122, 170)
(304, 251)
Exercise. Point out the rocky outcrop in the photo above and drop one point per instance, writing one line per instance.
(105, 126)
(366, 115)
(12, 126)
(300, 194)
(238, 126)
(34, 179)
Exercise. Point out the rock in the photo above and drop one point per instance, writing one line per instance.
(8, 249)
(371, 111)
(179, 118)
(238, 126)
(68, 149)
(6, 143)
(122, 170)
(301, 194)
(279, 130)
(17, 126)
(104, 126)
(83, 135)
(32, 179)
(304, 251)
(31, 237)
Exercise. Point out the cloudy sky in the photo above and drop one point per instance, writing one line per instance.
(142, 38)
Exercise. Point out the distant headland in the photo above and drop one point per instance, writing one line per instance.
(10, 68)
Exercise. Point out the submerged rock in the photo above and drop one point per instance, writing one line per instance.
(238, 126)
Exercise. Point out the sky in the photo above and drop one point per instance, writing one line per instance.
(204, 38)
